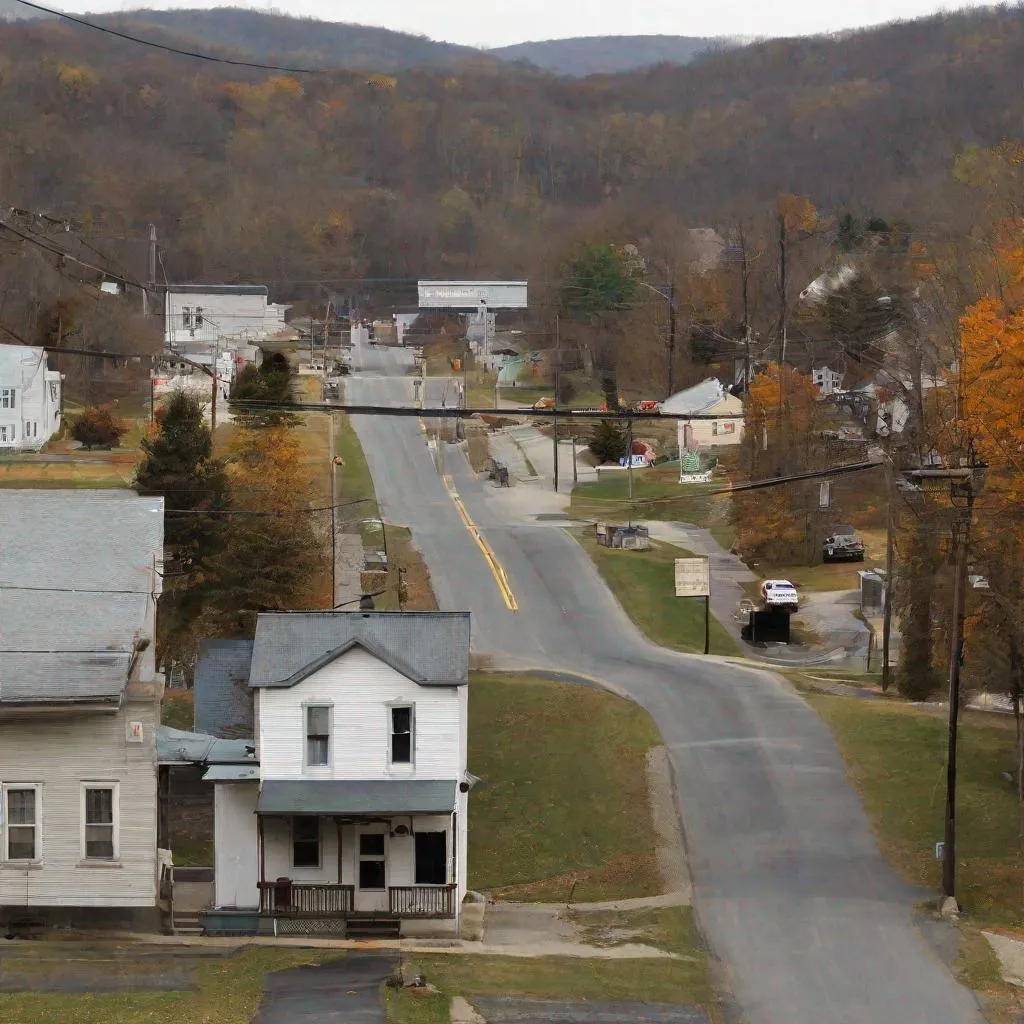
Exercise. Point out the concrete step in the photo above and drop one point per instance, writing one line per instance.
(373, 928)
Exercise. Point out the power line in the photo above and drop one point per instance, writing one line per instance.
(169, 49)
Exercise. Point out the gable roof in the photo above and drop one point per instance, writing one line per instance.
(430, 648)
(76, 581)
(223, 701)
(217, 289)
(701, 397)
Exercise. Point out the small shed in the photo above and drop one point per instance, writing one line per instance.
(630, 538)
(872, 590)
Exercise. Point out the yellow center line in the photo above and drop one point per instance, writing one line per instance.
(497, 570)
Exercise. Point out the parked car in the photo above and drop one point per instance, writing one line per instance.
(843, 545)
(780, 594)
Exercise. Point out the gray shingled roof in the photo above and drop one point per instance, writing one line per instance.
(223, 700)
(431, 648)
(76, 573)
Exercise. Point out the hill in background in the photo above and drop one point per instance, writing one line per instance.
(608, 55)
(281, 39)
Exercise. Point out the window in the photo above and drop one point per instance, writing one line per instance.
(100, 833)
(7, 396)
(729, 427)
(401, 735)
(199, 316)
(431, 858)
(306, 842)
(318, 736)
(3, 433)
(54, 390)
(22, 806)
(31, 429)
(714, 427)
(372, 870)
(186, 316)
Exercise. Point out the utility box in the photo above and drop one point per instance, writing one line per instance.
(767, 626)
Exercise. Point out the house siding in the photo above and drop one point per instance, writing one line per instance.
(37, 398)
(360, 688)
(224, 316)
(702, 433)
(60, 754)
(236, 849)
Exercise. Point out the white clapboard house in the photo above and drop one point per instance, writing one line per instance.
(79, 707)
(30, 398)
(355, 820)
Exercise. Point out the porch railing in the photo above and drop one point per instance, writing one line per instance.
(422, 900)
(298, 899)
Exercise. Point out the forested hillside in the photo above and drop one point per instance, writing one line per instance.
(293, 179)
(592, 55)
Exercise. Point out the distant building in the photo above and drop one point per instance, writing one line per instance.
(30, 398)
(708, 397)
(211, 313)
(827, 380)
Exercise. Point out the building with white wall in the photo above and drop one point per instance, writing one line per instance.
(212, 313)
(358, 816)
(31, 398)
(710, 398)
(79, 707)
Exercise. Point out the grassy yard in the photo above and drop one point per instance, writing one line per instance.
(896, 758)
(67, 474)
(553, 805)
(644, 583)
(354, 479)
(227, 990)
(403, 553)
(663, 981)
(672, 929)
(178, 709)
(608, 499)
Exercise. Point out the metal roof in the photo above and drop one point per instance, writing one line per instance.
(332, 796)
(700, 397)
(232, 773)
(218, 289)
(177, 746)
(431, 648)
(223, 700)
(76, 579)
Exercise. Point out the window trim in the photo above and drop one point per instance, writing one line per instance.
(411, 763)
(37, 787)
(319, 843)
(9, 398)
(329, 763)
(115, 802)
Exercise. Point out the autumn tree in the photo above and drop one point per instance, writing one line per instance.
(98, 427)
(271, 550)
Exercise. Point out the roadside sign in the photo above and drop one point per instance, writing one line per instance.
(693, 577)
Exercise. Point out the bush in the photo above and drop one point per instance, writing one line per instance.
(99, 427)
(608, 441)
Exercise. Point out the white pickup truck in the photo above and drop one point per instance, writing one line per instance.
(780, 595)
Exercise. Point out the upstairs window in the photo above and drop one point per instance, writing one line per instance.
(401, 734)
(186, 317)
(318, 736)
(7, 396)
(199, 316)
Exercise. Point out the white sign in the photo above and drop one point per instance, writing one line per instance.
(693, 577)
(133, 732)
(472, 294)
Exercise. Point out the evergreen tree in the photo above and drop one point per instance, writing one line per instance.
(608, 441)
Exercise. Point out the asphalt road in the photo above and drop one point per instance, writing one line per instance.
(809, 922)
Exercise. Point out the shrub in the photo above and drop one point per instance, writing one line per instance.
(99, 427)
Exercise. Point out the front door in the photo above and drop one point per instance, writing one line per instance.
(371, 869)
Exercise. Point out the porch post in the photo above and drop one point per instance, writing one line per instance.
(263, 848)
(338, 826)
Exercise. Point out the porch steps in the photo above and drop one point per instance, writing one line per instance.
(373, 928)
(187, 924)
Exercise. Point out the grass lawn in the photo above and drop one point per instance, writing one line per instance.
(670, 928)
(227, 991)
(553, 805)
(67, 474)
(608, 499)
(896, 758)
(178, 709)
(354, 479)
(402, 552)
(662, 981)
(644, 583)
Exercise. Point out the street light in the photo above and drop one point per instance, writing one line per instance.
(965, 483)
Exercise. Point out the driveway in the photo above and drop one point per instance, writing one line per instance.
(345, 991)
(811, 923)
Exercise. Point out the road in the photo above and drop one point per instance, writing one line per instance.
(796, 902)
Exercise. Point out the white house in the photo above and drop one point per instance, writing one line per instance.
(827, 380)
(357, 821)
(708, 398)
(218, 313)
(79, 707)
(30, 398)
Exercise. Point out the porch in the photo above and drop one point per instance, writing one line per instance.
(284, 898)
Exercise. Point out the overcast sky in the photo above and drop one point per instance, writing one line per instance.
(498, 22)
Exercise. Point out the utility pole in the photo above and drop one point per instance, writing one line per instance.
(963, 535)
(780, 454)
(554, 419)
(575, 475)
(629, 462)
(745, 283)
(150, 269)
(213, 402)
(889, 560)
(671, 335)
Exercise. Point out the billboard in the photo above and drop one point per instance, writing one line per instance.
(472, 294)
(693, 577)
